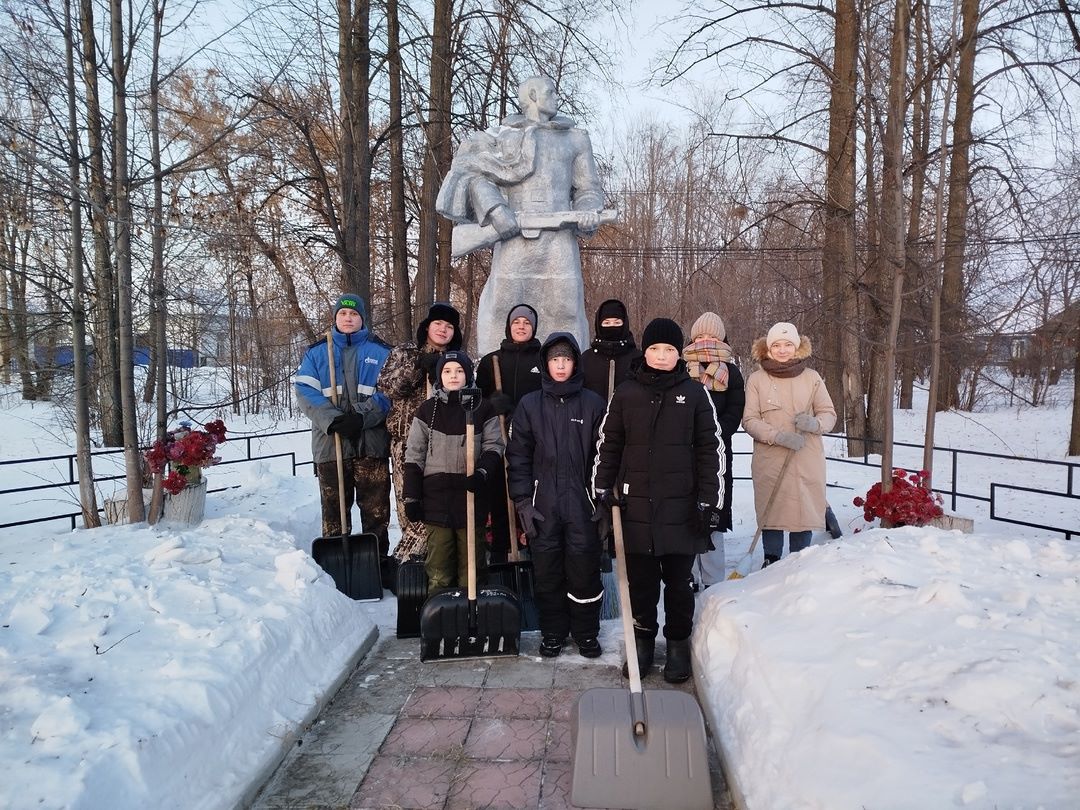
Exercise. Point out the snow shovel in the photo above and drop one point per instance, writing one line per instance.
(517, 572)
(743, 568)
(638, 750)
(471, 624)
(832, 525)
(351, 560)
(609, 605)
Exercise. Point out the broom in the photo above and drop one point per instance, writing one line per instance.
(609, 603)
(743, 568)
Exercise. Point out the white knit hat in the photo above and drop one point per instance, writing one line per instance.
(782, 331)
(708, 325)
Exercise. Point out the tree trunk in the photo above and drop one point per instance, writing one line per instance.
(1074, 433)
(399, 245)
(106, 320)
(922, 99)
(939, 251)
(354, 64)
(892, 220)
(83, 457)
(838, 250)
(437, 135)
(156, 376)
(953, 326)
(132, 457)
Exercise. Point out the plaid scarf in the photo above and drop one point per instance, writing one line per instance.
(706, 361)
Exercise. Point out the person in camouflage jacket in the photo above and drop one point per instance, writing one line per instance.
(406, 379)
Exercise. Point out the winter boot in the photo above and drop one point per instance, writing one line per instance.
(646, 649)
(589, 647)
(677, 667)
(551, 645)
(769, 560)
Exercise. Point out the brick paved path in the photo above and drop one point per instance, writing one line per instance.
(484, 733)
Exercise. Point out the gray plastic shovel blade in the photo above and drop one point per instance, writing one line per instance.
(668, 767)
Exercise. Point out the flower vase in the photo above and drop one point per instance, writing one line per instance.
(188, 505)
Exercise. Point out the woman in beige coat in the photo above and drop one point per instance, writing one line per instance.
(787, 410)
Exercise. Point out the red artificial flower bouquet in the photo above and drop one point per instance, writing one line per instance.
(909, 503)
(185, 452)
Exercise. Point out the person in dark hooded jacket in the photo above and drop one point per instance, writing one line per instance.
(661, 461)
(406, 378)
(550, 454)
(518, 362)
(613, 350)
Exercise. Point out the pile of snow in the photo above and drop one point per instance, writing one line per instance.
(899, 668)
(162, 667)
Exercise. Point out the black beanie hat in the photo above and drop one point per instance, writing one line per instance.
(662, 330)
(612, 308)
(454, 357)
(441, 311)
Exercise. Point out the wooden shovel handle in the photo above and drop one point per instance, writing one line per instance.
(337, 436)
(470, 503)
(511, 512)
(632, 668)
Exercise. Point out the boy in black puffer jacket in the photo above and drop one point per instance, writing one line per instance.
(661, 461)
(435, 471)
(551, 450)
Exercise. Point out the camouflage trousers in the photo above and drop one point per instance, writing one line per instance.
(367, 484)
(413, 534)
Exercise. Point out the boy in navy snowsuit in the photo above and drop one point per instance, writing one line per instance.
(550, 454)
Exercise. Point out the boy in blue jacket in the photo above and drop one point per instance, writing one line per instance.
(359, 418)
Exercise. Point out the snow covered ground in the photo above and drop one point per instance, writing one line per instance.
(168, 666)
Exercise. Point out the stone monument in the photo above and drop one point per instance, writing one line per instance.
(530, 188)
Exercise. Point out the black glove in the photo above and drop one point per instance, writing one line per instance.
(529, 517)
(601, 516)
(502, 403)
(428, 361)
(609, 498)
(414, 511)
(708, 519)
(477, 481)
(350, 425)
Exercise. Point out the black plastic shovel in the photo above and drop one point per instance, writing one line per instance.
(633, 749)
(351, 560)
(517, 572)
(472, 623)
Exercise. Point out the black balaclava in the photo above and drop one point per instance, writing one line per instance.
(612, 308)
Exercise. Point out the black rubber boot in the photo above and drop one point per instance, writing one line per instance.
(677, 667)
(769, 560)
(646, 651)
(551, 645)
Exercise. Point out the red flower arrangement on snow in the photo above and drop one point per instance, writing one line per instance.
(909, 503)
(185, 452)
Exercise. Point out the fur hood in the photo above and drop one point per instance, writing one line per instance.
(759, 351)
